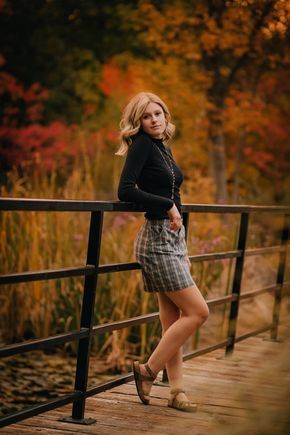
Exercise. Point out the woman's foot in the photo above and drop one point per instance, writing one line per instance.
(147, 385)
(144, 378)
(179, 400)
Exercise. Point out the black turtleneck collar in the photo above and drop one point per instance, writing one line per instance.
(156, 140)
(159, 142)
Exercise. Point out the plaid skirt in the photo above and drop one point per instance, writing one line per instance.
(162, 253)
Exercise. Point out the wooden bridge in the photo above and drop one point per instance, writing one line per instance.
(242, 392)
(246, 393)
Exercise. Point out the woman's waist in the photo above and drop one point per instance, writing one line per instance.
(164, 221)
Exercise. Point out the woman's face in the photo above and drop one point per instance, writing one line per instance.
(153, 120)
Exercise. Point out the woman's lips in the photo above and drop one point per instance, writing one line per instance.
(156, 126)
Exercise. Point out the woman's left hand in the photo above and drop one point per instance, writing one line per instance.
(175, 218)
(175, 224)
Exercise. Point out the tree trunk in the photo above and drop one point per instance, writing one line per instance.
(237, 167)
(217, 155)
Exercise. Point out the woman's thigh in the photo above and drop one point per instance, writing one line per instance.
(190, 301)
(168, 311)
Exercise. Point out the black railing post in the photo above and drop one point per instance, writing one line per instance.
(236, 289)
(87, 319)
(280, 276)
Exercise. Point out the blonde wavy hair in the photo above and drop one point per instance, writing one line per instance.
(131, 120)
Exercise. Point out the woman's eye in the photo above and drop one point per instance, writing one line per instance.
(147, 116)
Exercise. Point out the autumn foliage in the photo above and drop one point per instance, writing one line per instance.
(67, 69)
(221, 66)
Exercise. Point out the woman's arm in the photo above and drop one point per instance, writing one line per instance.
(138, 154)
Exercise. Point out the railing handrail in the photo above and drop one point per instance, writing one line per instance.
(93, 268)
(43, 204)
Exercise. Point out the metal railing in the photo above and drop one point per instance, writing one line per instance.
(92, 269)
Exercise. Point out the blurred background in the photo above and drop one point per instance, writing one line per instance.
(67, 69)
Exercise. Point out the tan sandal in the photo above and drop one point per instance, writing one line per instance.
(139, 378)
(181, 405)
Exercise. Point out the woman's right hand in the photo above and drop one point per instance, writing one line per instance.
(175, 218)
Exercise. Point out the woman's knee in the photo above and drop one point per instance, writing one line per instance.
(202, 314)
(199, 315)
(198, 309)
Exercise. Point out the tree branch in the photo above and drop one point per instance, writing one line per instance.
(268, 8)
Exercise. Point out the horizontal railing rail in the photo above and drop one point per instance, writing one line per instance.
(29, 204)
(42, 275)
(92, 269)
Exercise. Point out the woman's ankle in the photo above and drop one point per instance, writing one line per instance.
(177, 389)
(150, 371)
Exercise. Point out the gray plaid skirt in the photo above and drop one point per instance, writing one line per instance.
(162, 253)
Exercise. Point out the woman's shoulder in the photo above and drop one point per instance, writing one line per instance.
(140, 148)
(142, 139)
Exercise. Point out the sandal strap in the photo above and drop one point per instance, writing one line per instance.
(176, 391)
(150, 371)
(138, 374)
(144, 377)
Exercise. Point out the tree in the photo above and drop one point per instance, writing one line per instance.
(62, 45)
(233, 42)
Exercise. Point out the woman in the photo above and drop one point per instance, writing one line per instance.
(151, 177)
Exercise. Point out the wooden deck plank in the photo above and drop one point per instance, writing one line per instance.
(229, 392)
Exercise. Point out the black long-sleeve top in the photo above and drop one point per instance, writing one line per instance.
(147, 180)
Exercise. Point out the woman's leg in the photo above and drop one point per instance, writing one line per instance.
(194, 312)
(168, 314)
